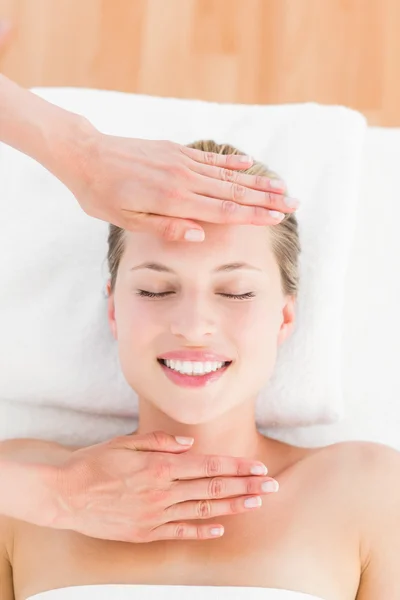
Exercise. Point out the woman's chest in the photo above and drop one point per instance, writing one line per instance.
(293, 541)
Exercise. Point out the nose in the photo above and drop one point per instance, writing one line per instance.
(194, 320)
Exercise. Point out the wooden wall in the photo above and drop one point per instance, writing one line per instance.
(250, 51)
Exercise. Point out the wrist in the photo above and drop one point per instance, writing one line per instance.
(28, 491)
(73, 147)
(58, 139)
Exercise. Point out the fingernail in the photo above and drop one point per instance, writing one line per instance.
(245, 159)
(270, 486)
(194, 235)
(276, 214)
(217, 531)
(185, 441)
(253, 502)
(277, 183)
(291, 202)
(259, 470)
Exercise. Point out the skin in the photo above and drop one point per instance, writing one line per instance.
(196, 316)
(332, 530)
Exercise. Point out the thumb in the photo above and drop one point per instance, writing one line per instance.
(172, 229)
(157, 441)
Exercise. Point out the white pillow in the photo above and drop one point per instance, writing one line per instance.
(57, 354)
(371, 316)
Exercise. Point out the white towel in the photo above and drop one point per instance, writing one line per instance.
(60, 376)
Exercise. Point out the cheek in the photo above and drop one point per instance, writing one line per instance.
(252, 325)
(136, 325)
(255, 333)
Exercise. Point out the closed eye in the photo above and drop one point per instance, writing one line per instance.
(239, 296)
(146, 294)
(153, 295)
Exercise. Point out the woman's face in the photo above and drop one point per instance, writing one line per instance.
(220, 302)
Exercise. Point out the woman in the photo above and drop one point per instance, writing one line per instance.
(139, 185)
(331, 532)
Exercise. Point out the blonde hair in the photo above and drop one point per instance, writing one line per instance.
(284, 236)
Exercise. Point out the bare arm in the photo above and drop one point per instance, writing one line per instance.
(27, 476)
(56, 138)
(6, 577)
(380, 506)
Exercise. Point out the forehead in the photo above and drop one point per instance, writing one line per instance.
(223, 244)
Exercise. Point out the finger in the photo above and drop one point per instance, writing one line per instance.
(229, 161)
(173, 229)
(256, 182)
(233, 190)
(185, 531)
(217, 488)
(210, 509)
(224, 211)
(199, 467)
(155, 441)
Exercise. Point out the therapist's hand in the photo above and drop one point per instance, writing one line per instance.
(164, 187)
(143, 488)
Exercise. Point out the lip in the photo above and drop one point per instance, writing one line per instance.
(193, 381)
(194, 355)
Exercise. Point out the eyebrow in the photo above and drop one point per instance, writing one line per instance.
(228, 268)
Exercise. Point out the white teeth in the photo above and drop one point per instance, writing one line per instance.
(187, 367)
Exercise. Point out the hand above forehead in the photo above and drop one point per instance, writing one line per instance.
(166, 188)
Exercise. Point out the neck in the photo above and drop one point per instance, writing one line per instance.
(231, 434)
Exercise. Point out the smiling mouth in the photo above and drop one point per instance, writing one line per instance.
(194, 368)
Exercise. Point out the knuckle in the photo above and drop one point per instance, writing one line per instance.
(271, 199)
(260, 181)
(212, 466)
(204, 509)
(216, 487)
(160, 437)
(178, 171)
(160, 468)
(228, 208)
(173, 194)
(201, 533)
(169, 229)
(260, 214)
(156, 496)
(210, 158)
(228, 175)
(180, 531)
(235, 506)
(238, 191)
(251, 486)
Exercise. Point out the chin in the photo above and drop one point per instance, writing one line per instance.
(188, 416)
(189, 420)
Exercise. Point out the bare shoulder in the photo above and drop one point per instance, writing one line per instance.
(371, 472)
(367, 476)
(373, 457)
(358, 462)
(350, 469)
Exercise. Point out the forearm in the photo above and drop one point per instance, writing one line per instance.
(56, 138)
(27, 485)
